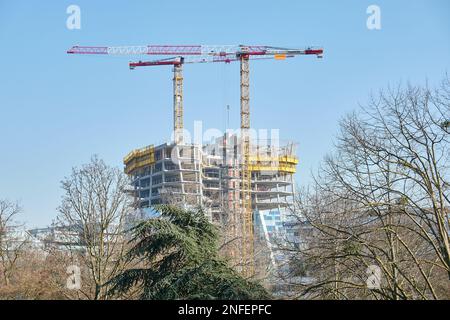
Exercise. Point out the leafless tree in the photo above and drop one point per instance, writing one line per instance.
(12, 243)
(94, 213)
(36, 276)
(383, 199)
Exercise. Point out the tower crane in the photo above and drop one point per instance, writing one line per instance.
(204, 54)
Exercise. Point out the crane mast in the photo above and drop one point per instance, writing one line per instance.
(246, 183)
(178, 104)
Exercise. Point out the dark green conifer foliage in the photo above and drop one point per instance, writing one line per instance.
(179, 254)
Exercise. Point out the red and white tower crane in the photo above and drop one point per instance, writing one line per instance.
(199, 54)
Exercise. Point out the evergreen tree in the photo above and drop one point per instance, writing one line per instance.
(179, 254)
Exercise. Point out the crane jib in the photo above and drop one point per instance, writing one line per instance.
(193, 50)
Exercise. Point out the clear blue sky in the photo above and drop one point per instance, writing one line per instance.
(56, 110)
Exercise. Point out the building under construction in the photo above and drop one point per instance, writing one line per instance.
(210, 176)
